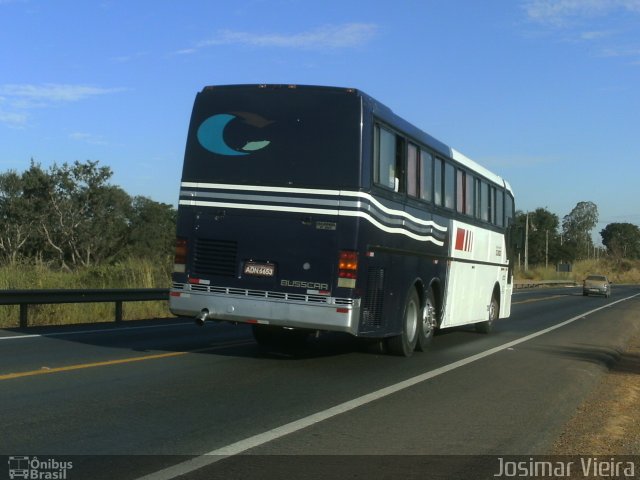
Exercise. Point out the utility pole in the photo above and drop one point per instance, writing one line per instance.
(546, 252)
(526, 245)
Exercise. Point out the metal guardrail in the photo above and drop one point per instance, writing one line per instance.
(24, 298)
(542, 283)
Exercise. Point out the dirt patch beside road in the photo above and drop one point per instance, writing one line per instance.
(608, 422)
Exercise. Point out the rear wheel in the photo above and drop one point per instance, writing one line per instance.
(494, 308)
(428, 323)
(405, 343)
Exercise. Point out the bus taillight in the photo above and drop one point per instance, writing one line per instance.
(180, 258)
(347, 269)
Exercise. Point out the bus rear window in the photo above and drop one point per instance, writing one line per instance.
(274, 136)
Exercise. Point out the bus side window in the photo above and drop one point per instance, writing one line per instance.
(461, 193)
(470, 195)
(412, 170)
(400, 180)
(426, 176)
(437, 181)
(449, 185)
(509, 209)
(492, 205)
(484, 201)
(500, 208)
(478, 201)
(385, 157)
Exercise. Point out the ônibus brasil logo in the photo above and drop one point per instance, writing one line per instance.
(34, 468)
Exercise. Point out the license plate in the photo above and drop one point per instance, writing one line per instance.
(259, 269)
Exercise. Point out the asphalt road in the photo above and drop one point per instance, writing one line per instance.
(166, 398)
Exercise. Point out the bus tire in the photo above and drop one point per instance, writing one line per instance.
(427, 326)
(404, 344)
(494, 309)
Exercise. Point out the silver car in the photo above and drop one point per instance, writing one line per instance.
(596, 284)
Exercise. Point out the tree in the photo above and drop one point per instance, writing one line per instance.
(622, 240)
(16, 219)
(577, 227)
(152, 228)
(36, 185)
(86, 218)
(544, 239)
(73, 216)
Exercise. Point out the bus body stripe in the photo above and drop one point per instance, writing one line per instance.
(317, 211)
(460, 234)
(312, 191)
(464, 240)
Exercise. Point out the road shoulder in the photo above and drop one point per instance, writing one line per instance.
(608, 421)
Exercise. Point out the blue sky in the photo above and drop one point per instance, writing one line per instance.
(545, 93)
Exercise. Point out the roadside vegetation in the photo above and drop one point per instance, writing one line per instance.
(128, 273)
(617, 270)
(552, 250)
(68, 227)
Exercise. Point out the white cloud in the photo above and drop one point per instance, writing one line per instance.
(13, 119)
(603, 24)
(51, 92)
(559, 12)
(18, 99)
(89, 138)
(516, 160)
(595, 35)
(129, 58)
(347, 35)
(630, 53)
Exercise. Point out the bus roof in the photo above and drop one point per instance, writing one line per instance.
(471, 165)
(394, 120)
(420, 135)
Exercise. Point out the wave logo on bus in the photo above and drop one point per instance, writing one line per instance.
(211, 133)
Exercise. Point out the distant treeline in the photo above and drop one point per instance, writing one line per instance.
(549, 241)
(70, 216)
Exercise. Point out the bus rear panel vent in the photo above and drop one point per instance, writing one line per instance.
(215, 257)
(372, 318)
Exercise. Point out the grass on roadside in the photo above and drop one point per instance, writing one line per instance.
(133, 273)
(140, 273)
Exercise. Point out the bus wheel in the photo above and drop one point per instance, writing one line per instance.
(494, 308)
(429, 322)
(405, 343)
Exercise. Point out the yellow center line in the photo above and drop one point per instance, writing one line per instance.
(106, 363)
(531, 300)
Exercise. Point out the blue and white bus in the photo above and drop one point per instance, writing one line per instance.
(309, 208)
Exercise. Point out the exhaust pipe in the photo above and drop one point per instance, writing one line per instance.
(202, 316)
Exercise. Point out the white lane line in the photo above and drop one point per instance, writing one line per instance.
(297, 425)
(97, 330)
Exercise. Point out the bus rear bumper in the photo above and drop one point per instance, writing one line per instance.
(312, 312)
